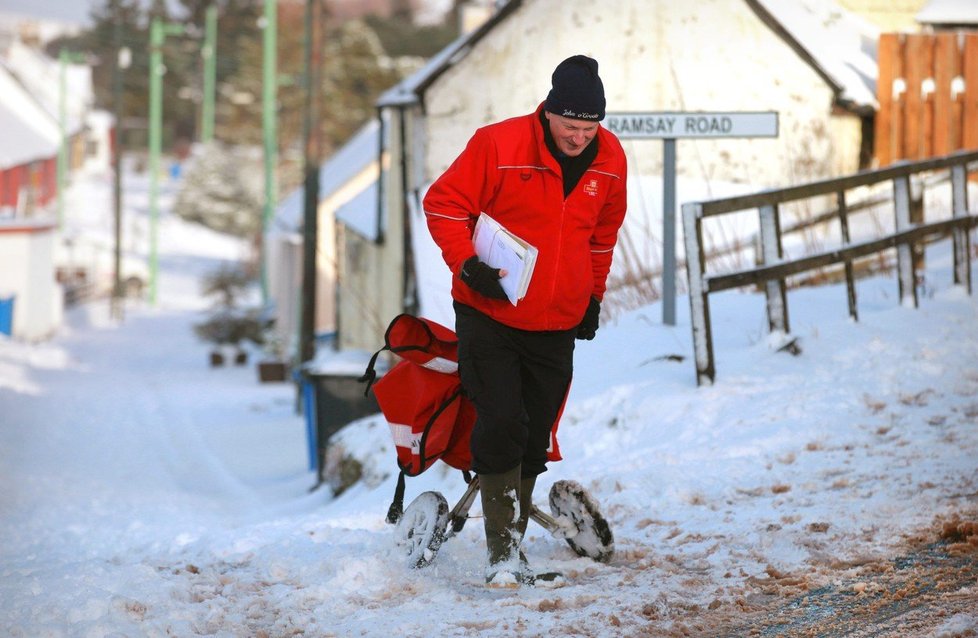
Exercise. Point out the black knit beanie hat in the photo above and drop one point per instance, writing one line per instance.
(577, 90)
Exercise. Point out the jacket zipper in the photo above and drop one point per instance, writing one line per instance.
(560, 250)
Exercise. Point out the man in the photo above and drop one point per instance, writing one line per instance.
(556, 179)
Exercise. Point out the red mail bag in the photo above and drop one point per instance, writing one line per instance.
(422, 400)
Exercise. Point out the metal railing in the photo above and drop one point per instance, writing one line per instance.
(773, 271)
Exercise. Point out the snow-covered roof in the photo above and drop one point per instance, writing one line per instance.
(288, 215)
(839, 45)
(15, 21)
(29, 133)
(349, 161)
(949, 12)
(410, 88)
(42, 77)
(360, 213)
(354, 156)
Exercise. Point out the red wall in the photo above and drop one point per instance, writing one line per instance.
(41, 176)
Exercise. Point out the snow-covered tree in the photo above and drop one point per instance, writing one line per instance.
(223, 189)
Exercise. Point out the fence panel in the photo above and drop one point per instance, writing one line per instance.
(927, 89)
(775, 269)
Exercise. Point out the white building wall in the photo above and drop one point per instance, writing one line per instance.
(27, 274)
(285, 283)
(654, 55)
(371, 283)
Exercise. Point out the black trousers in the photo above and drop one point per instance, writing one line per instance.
(517, 380)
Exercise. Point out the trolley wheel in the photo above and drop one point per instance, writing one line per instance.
(573, 507)
(421, 530)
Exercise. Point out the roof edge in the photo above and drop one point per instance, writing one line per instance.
(451, 55)
(775, 25)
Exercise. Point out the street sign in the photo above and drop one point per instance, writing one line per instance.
(693, 124)
(669, 126)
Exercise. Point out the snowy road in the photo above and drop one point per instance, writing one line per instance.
(151, 495)
(146, 494)
(125, 447)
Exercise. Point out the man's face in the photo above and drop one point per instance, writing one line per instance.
(571, 135)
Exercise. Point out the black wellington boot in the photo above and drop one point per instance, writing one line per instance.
(499, 508)
(527, 576)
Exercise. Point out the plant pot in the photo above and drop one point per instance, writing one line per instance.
(217, 359)
(240, 358)
(272, 371)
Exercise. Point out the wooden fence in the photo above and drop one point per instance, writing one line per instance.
(774, 270)
(927, 90)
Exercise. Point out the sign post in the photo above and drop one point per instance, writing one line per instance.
(669, 126)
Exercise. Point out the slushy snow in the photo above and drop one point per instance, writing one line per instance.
(147, 494)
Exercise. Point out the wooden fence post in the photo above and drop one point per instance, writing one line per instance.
(699, 303)
(777, 305)
(914, 74)
(947, 66)
(850, 278)
(962, 236)
(887, 118)
(969, 110)
(916, 218)
(905, 273)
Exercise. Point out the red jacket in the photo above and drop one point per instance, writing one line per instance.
(507, 171)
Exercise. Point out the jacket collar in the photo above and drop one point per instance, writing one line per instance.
(547, 157)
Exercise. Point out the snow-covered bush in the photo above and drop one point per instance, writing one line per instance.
(223, 189)
(229, 325)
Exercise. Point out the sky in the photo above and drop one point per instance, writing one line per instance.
(77, 11)
(69, 11)
(148, 494)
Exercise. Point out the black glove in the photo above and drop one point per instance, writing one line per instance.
(589, 324)
(482, 278)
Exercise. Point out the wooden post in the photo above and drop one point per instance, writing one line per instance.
(969, 115)
(777, 303)
(914, 73)
(946, 64)
(927, 88)
(886, 118)
(699, 303)
(962, 236)
(850, 279)
(905, 274)
(917, 218)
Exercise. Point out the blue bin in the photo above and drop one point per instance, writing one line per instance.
(330, 401)
(6, 316)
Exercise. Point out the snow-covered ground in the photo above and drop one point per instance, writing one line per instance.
(147, 494)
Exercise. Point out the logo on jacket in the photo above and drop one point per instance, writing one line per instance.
(525, 176)
(591, 188)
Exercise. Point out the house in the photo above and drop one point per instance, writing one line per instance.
(28, 155)
(42, 102)
(347, 192)
(814, 66)
(888, 15)
(949, 14)
(44, 78)
(28, 230)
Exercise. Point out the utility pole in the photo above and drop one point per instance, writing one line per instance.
(157, 35)
(123, 59)
(307, 320)
(210, 74)
(269, 92)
